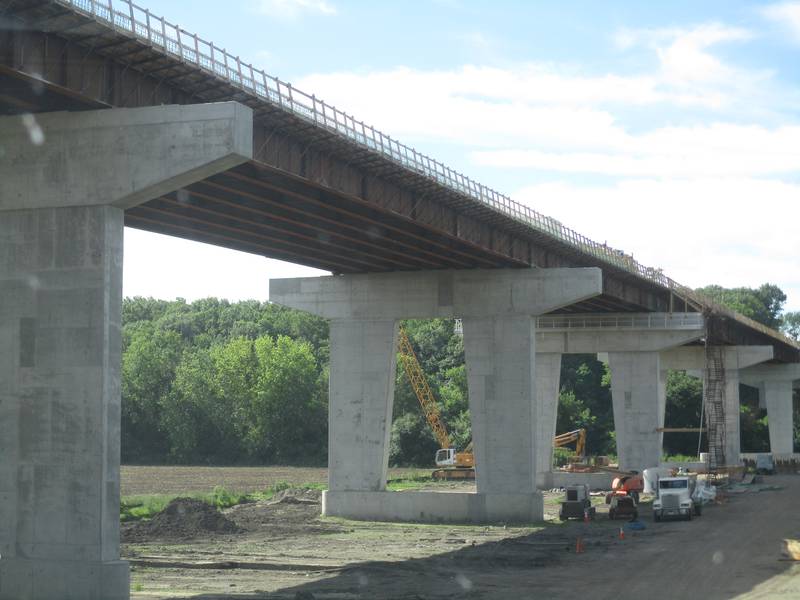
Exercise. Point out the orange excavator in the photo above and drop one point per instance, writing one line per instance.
(454, 464)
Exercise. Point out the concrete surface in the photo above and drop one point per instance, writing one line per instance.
(121, 157)
(638, 394)
(434, 507)
(60, 349)
(595, 481)
(776, 383)
(362, 376)
(548, 381)
(445, 293)
(66, 178)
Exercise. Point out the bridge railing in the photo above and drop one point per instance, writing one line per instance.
(128, 18)
(621, 321)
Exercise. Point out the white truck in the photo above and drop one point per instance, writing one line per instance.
(675, 498)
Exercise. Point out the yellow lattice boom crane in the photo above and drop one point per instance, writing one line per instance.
(454, 465)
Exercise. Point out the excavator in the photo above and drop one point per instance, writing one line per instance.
(454, 464)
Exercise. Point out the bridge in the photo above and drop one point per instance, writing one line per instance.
(114, 117)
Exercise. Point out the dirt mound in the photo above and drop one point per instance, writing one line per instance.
(181, 519)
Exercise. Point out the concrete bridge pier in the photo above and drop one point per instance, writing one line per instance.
(735, 358)
(65, 179)
(775, 383)
(630, 343)
(500, 347)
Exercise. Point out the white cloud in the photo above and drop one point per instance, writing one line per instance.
(730, 231)
(702, 151)
(787, 15)
(293, 9)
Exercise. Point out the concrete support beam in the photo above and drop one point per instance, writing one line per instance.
(775, 383)
(65, 179)
(120, 157)
(736, 358)
(500, 346)
(638, 392)
(592, 334)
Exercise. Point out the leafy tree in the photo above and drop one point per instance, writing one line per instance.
(791, 324)
(763, 304)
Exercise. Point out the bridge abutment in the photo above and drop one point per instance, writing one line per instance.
(500, 347)
(66, 179)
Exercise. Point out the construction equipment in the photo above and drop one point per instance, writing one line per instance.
(627, 484)
(577, 503)
(578, 436)
(454, 465)
(622, 505)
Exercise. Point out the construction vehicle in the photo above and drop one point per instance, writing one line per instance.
(627, 484)
(578, 436)
(622, 505)
(675, 498)
(454, 464)
(577, 503)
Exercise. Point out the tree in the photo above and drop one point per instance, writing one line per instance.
(148, 370)
(791, 324)
(763, 304)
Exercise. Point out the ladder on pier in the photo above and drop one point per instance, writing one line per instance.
(714, 402)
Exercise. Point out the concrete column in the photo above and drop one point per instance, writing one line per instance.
(60, 314)
(362, 375)
(62, 195)
(638, 392)
(776, 383)
(733, 416)
(548, 382)
(778, 399)
(500, 360)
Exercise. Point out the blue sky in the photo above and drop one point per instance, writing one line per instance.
(668, 129)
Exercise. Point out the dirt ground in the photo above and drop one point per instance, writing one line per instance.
(286, 550)
(136, 480)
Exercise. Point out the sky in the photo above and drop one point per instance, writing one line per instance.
(670, 130)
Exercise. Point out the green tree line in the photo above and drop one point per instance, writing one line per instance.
(215, 382)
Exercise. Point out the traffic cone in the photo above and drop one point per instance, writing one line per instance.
(621, 533)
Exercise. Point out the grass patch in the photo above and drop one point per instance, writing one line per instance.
(134, 508)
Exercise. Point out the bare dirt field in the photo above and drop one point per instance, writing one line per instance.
(135, 480)
(283, 549)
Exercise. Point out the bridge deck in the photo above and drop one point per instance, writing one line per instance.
(325, 189)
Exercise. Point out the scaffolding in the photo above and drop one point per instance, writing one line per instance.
(714, 404)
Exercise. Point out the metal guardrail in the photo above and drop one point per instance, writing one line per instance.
(622, 321)
(126, 17)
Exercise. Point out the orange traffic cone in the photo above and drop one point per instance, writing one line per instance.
(621, 533)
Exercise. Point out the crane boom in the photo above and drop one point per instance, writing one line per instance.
(419, 383)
